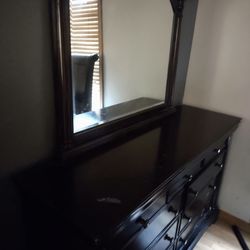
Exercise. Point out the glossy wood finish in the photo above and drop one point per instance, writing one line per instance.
(109, 193)
(63, 87)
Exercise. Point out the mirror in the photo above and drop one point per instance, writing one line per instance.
(119, 58)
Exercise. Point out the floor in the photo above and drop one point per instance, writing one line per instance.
(221, 237)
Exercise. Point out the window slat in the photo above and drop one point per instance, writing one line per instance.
(85, 37)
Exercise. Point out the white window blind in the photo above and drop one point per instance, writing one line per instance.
(86, 39)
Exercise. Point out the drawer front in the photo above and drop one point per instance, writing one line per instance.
(151, 209)
(166, 239)
(153, 227)
(194, 168)
(142, 219)
(204, 181)
(139, 220)
(194, 212)
(148, 234)
(214, 152)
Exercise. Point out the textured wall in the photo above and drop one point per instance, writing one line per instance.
(218, 79)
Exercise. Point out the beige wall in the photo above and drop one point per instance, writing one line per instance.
(27, 126)
(136, 48)
(219, 79)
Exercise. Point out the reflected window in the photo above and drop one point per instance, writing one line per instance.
(131, 39)
(86, 51)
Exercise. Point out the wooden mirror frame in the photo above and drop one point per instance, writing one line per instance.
(67, 140)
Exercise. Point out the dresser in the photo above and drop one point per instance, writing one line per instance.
(153, 188)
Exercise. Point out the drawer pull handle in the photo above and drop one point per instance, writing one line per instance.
(166, 237)
(213, 187)
(184, 241)
(188, 177)
(203, 212)
(187, 218)
(143, 222)
(219, 165)
(172, 210)
(217, 151)
(195, 193)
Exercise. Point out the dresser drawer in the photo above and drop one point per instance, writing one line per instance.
(149, 233)
(139, 220)
(196, 205)
(166, 203)
(165, 241)
(204, 180)
(213, 152)
(197, 169)
(152, 225)
(194, 211)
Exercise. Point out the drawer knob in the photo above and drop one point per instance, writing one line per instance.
(217, 151)
(189, 219)
(184, 241)
(143, 222)
(219, 165)
(195, 193)
(172, 210)
(167, 237)
(213, 187)
(203, 212)
(188, 177)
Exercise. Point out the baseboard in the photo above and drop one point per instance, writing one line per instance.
(232, 220)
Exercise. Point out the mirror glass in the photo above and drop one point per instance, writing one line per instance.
(119, 58)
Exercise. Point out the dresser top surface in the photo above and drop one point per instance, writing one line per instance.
(97, 192)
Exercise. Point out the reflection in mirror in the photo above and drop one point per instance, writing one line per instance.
(119, 57)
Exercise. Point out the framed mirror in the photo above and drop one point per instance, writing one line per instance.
(115, 63)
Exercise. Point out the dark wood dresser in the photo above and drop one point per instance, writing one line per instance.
(154, 188)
